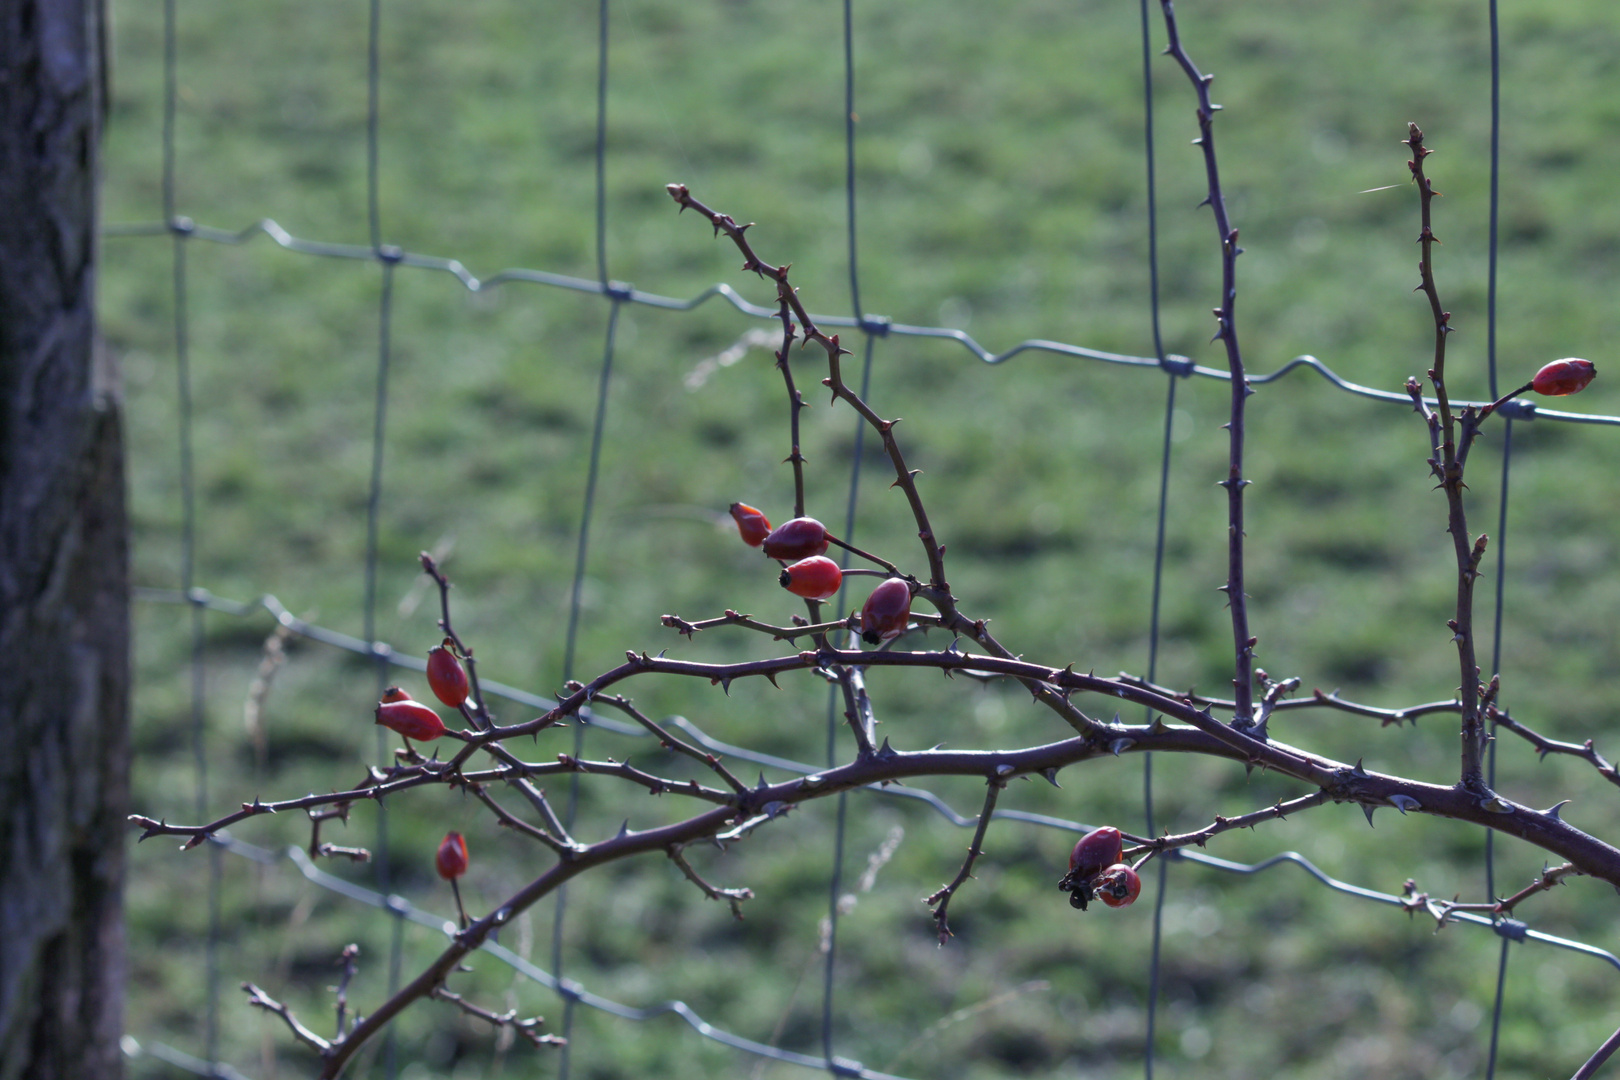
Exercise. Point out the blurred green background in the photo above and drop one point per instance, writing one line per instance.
(1001, 182)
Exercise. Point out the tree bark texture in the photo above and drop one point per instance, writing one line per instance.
(64, 578)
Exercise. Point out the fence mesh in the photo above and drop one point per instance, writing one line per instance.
(206, 609)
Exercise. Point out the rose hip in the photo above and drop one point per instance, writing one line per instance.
(451, 860)
(1568, 376)
(815, 578)
(752, 525)
(446, 677)
(886, 612)
(1119, 886)
(797, 539)
(410, 718)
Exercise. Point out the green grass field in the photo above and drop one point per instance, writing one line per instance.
(1001, 191)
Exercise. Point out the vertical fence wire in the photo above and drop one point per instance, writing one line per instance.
(1502, 509)
(1147, 759)
(1151, 178)
(582, 548)
(180, 229)
(835, 879)
(388, 257)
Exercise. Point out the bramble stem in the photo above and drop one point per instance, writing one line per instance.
(1449, 470)
(1226, 320)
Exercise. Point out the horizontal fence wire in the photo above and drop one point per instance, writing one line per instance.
(182, 229)
(873, 324)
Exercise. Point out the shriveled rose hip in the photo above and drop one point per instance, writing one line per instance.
(1119, 886)
(451, 860)
(752, 525)
(446, 677)
(815, 578)
(797, 539)
(886, 612)
(1568, 376)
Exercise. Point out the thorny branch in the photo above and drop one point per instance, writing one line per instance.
(1586, 751)
(529, 1029)
(1443, 910)
(1595, 1062)
(733, 897)
(1448, 469)
(905, 478)
(778, 633)
(478, 714)
(350, 961)
(940, 900)
(1179, 727)
(1318, 699)
(1148, 848)
(515, 823)
(672, 742)
(1226, 333)
(259, 999)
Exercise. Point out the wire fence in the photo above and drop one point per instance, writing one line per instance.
(391, 261)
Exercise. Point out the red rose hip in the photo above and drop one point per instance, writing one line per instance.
(1568, 376)
(797, 539)
(446, 677)
(752, 525)
(815, 578)
(451, 860)
(886, 612)
(1119, 886)
(410, 718)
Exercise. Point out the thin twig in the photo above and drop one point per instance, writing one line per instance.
(733, 618)
(259, 999)
(1443, 910)
(508, 1020)
(564, 764)
(940, 900)
(537, 799)
(461, 909)
(673, 742)
(889, 569)
(1586, 751)
(1595, 1062)
(1041, 691)
(479, 710)
(1317, 700)
(512, 821)
(858, 710)
(351, 964)
(317, 818)
(1277, 812)
(733, 897)
(353, 854)
(796, 403)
